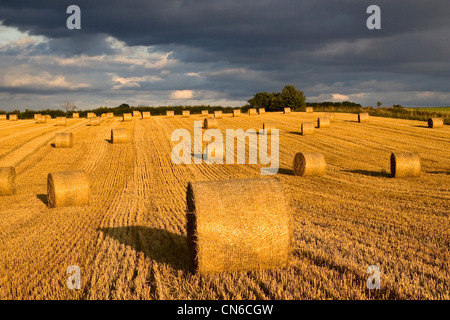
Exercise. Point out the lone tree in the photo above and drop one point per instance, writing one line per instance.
(379, 104)
(68, 106)
(276, 101)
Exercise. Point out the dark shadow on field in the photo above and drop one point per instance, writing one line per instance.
(43, 198)
(371, 173)
(157, 244)
(439, 172)
(109, 141)
(287, 172)
(52, 145)
(421, 126)
(295, 132)
(354, 121)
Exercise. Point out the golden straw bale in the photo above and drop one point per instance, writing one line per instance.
(91, 115)
(286, 110)
(170, 114)
(136, 114)
(61, 121)
(3, 117)
(69, 188)
(309, 109)
(13, 117)
(146, 115)
(210, 123)
(95, 121)
(269, 126)
(309, 164)
(47, 116)
(119, 135)
(110, 115)
(41, 119)
(186, 113)
(363, 117)
(435, 123)
(7, 181)
(205, 113)
(236, 112)
(64, 140)
(405, 164)
(307, 128)
(127, 117)
(103, 115)
(75, 115)
(218, 114)
(323, 123)
(261, 110)
(36, 115)
(252, 111)
(238, 225)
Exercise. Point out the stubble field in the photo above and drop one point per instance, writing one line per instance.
(130, 243)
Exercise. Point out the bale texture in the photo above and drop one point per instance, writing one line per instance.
(95, 121)
(7, 181)
(110, 115)
(13, 117)
(309, 164)
(323, 122)
(127, 117)
(64, 140)
(236, 112)
(307, 128)
(435, 123)
(69, 188)
(309, 109)
(286, 110)
(103, 115)
(41, 119)
(119, 135)
(238, 225)
(146, 115)
(3, 117)
(252, 112)
(47, 116)
(269, 126)
(75, 115)
(363, 117)
(210, 123)
(36, 115)
(61, 121)
(261, 110)
(405, 165)
(91, 115)
(205, 113)
(218, 114)
(186, 113)
(170, 114)
(137, 114)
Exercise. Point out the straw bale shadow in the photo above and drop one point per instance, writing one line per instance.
(371, 173)
(43, 198)
(287, 172)
(157, 244)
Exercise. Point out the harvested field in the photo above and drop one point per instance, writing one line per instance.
(130, 241)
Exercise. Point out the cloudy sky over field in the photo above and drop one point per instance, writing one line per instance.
(188, 52)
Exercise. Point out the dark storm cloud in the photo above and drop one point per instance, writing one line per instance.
(312, 44)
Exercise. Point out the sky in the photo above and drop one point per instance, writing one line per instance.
(222, 52)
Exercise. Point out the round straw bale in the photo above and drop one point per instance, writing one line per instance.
(41, 119)
(218, 114)
(309, 109)
(75, 115)
(307, 128)
(236, 112)
(103, 115)
(405, 165)
(127, 117)
(146, 115)
(64, 140)
(435, 123)
(363, 117)
(95, 121)
(323, 123)
(91, 115)
(13, 117)
(252, 112)
(136, 113)
(69, 188)
(238, 225)
(7, 181)
(204, 112)
(309, 164)
(119, 135)
(61, 121)
(110, 115)
(170, 114)
(261, 110)
(286, 110)
(330, 116)
(47, 116)
(186, 113)
(210, 123)
(268, 126)
(3, 117)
